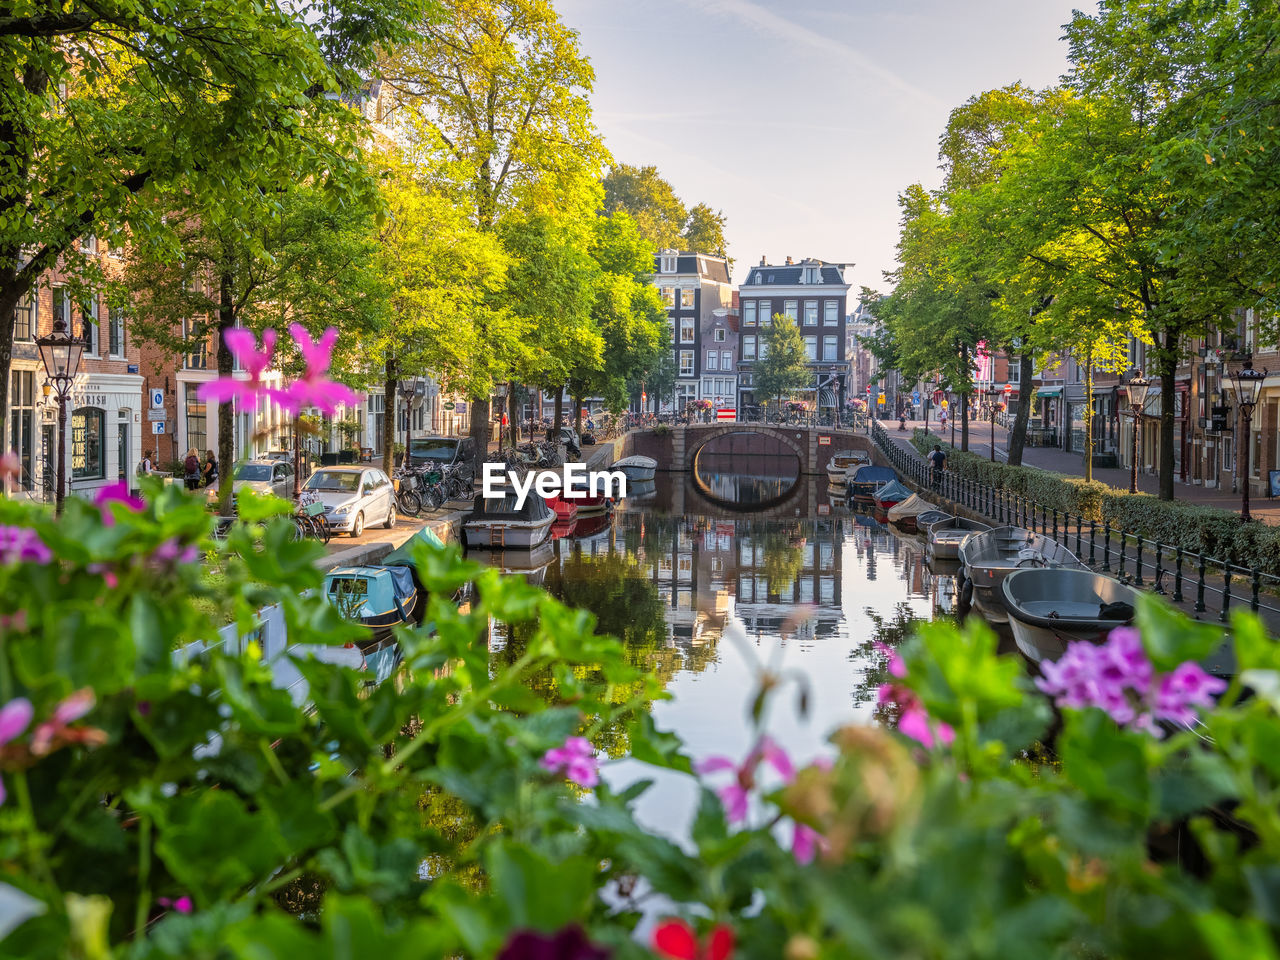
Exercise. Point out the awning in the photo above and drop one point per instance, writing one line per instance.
(828, 398)
(1049, 392)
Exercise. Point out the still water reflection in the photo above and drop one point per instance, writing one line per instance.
(703, 597)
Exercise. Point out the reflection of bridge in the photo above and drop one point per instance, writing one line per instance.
(812, 446)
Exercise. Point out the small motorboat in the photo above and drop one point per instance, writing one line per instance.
(377, 596)
(947, 536)
(991, 555)
(501, 523)
(906, 513)
(865, 481)
(636, 467)
(892, 493)
(930, 519)
(839, 466)
(565, 508)
(1050, 608)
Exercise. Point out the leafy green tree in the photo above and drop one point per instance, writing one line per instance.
(784, 368)
(642, 192)
(704, 232)
(107, 107)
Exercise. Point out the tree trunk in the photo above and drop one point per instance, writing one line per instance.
(480, 426)
(1088, 416)
(577, 414)
(1168, 368)
(559, 410)
(511, 413)
(964, 422)
(389, 416)
(1018, 438)
(226, 411)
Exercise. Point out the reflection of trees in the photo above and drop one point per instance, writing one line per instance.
(892, 631)
(783, 549)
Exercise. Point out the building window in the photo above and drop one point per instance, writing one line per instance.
(791, 309)
(61, 306)
(764, 314)
(1015, 370)
(811, 275)
(115, 331)
(811, 348)
(24, 317)
(749, 313)
(668, 264)
(686, 329)
(830, 314)
(89, 244)
(686, 299)
(749, 347)
(197, 420)
(719, 335)
(88, 459)
(811, 313)
(193, 333)
(22, 423)
(686, 363)
(669, 296)
(726, 359)
(713, 360)
(830, 349)
(764, 348)
(89, 325)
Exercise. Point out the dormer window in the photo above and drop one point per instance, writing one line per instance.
(669, 261)
(811, 275)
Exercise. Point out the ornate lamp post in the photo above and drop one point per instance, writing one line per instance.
(1247, 382)
(61, 354)
(1138, 389)
(993, 394)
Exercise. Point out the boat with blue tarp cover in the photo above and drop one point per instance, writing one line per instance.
(864, 483)
(382, 595)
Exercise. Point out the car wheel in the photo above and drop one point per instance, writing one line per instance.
(391, 517)
(357, 525)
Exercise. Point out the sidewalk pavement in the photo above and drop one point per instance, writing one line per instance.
(1072, 464)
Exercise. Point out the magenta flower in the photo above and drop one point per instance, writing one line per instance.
(805, 843)
(315, 389)
(913, 719)
(14, 718)
(1117, 677)
(569, 943)
(576, 760)
(22, 545)
(895, 665)
(734, 795)
(181, 904)
(71, 709)
(117, 492)
(244, 347)
(172, 553)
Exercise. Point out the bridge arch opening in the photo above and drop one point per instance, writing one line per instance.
(747, 470)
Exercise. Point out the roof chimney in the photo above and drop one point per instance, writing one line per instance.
(762, 259)
(790, 262)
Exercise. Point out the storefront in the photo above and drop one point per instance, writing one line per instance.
(104, 425)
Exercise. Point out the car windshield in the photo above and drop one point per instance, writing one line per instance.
(333, 480)
(441, 451)
(253, 471)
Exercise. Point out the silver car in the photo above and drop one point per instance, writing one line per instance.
(265, 476)
(353, 497)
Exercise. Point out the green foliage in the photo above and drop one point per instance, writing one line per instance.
(783, 367)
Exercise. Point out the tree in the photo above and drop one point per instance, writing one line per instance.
(499, 90)
(108, 105)
(704, 232)
(659, 214)
(784, 367)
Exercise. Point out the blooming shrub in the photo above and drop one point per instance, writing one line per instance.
(186, 807)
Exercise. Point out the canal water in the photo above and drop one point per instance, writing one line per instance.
(707, 598)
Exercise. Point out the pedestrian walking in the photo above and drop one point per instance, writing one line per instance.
(938, 460)
(146, 465)
(191, 469)
(209, 472)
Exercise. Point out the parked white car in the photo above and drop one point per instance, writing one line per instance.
(353, 497)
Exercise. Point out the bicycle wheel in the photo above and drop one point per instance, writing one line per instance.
(408, 503)
(299, 532)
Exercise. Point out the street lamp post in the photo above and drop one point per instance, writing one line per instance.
(1138, 389)
(61, 354)
(992, 394)
(1247, 383)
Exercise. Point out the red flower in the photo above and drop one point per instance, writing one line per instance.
(676, 939)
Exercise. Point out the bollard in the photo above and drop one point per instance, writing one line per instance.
(1226, 592)
(1106, 548)
(1176, 596)
(1159, 581)
(1257, 588)
(1200, 607)
(1093, 542)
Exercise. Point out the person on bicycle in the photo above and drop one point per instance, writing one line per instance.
(938, 460)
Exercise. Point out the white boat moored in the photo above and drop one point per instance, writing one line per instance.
(636, 467)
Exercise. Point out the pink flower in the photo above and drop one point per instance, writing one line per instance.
(913, 720)
(734, 796)
(172, 553)
(896, 667)
(117, 492)
(10, 467)
(183, 904)
(14, 718)
(576, 760)
(71, 709)
(243, 346)
(805, 843)
(22, 545)
(315, 389)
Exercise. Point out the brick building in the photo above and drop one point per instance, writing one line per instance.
(698, 295)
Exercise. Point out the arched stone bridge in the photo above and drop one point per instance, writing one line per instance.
(812, 446)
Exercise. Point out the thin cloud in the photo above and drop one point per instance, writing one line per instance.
(773, 25)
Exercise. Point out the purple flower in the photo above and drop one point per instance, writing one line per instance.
(576, 760)
(14, 718)
(22, 545)
(243, 346)
(896, 667)
(913, 719)
(569, 943)
(315, 389)
(117, 492)
(173, 553)
(71, 709)
(734, 796)
(805, 842)
(181, 904)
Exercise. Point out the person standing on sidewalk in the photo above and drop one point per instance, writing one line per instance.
(938, 460)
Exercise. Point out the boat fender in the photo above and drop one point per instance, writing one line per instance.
(1118, 610)
(966, 593)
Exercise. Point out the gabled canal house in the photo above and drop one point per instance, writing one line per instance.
(813, 293)
(698, 295)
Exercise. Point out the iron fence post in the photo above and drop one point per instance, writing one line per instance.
(1176, 596)
(1159, 575)
(1200, 607)
(1226, 592)
(1257, 588)
(1106, 547)
(1124, 545)
(1093, 542)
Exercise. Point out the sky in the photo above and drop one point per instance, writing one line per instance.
(802, 120)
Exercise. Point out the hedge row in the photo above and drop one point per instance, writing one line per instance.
(1218, 533)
